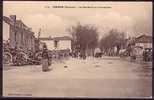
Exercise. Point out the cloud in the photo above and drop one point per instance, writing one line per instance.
(54, 25)
(50, 24)
(132, 18)
(108, 21)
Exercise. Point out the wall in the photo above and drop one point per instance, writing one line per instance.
(62, 44)
(24, 38)
(144, 45)
(18, 33)
(49, 43)
(6, 30)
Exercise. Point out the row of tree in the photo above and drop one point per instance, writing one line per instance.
(86, 37)
(114, 39)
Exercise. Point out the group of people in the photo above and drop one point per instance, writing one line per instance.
(147, 55)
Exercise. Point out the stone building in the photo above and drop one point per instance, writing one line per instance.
(19, 34)
(6, 28)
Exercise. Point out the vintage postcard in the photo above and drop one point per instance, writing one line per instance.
(77, 49)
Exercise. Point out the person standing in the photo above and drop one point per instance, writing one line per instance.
(45, 59)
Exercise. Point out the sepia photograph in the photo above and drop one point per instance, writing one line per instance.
(70, 49)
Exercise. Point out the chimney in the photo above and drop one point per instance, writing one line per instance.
(13, 18)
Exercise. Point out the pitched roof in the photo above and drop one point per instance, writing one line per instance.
(144, 39)
(7, 20)
(147, 36)
(18, 22)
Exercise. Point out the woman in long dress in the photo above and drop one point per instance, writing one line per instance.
(45, 60)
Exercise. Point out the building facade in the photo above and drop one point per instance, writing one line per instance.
(6, 29)
(139, 44)
(144, 41)
(57, 43)
(19, 35)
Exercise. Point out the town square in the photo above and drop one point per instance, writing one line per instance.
(67, 50)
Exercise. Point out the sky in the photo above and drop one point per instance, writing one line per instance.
(134, 18)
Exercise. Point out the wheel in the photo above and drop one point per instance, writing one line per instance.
(21, 59)
(39, 56)
(7, 58)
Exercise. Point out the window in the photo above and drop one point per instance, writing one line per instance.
(15, 35)
(55, 43)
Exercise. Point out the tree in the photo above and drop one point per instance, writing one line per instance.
(113, 39)
(84, 36)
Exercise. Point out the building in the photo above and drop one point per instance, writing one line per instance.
(18, 33)
(57, 43)
(138, 44)
(6, 28)
(144, 41)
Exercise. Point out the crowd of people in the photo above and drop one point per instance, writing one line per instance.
(83, 55)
